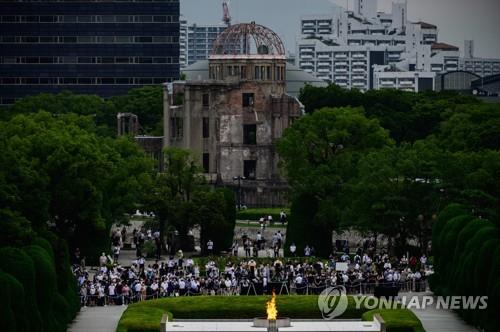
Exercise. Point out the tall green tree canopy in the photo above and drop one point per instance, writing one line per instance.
(408, 116)
(54, 170)
(181, 199)
(320, 153)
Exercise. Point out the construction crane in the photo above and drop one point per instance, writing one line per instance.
(226, 18)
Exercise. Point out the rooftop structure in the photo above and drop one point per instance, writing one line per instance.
(249, 40)
(295, 78)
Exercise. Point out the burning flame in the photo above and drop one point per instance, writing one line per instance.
(272, 311)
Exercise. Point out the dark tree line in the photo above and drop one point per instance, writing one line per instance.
(389, 165)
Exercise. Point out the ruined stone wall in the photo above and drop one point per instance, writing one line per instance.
(225, 145)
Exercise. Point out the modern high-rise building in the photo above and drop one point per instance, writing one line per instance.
(348, 47)
(103, 47)
(196, 41)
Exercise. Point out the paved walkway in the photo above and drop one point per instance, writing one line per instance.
(97, 319)
(435, 320)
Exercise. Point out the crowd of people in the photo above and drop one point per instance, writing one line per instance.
(253, 246)
(180, 276)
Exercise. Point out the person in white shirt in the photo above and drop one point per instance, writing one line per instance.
(210, 247)
(194, 286)
(282, 217)
(404, 260)
(227, 284)
(141, 261)
(103, 259)
(196, 271)
(154, 287)
(112, 293)
(298, 280)
(182, 287)
(164, 287)
(101, 293)
(423, 260)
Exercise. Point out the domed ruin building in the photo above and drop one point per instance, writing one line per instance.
(232, 119)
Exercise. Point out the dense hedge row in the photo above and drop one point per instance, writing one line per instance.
(37, 287)
(467, 262)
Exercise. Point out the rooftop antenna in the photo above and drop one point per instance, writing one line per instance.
(226, 18)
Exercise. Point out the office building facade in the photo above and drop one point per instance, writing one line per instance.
(480, 66)
(196, 41)
(93, 47)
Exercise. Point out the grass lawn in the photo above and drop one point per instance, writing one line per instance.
(400, 320)
(146, 316)
(256, 214)
(253, 224)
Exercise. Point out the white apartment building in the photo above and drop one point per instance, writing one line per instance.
(196, 41)
(346, 47)
(480, 66)
(413, 81)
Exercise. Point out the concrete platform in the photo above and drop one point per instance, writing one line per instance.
(297, 326)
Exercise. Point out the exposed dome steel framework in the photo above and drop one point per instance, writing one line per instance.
(248, 39)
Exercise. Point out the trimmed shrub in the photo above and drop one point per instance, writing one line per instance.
(17, 303)
(41, 242)
(305, 233)
(66, 282)
(469, 260)
(448, 240)
(45, 285)
(61, 311)
(485, 263)
(18, 264)
(450, 212)
(468, 264)
(230, 216)
(491, 322)
(6, 309)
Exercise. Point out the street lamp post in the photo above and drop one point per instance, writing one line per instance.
(239, 178)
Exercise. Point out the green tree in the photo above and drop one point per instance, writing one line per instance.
(472, 128)
(100, 111)
(319, 154)
(55, 169)
(408, 116)
(181, 199)
(147, 104)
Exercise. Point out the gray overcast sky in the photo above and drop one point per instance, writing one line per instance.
(457, 19)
